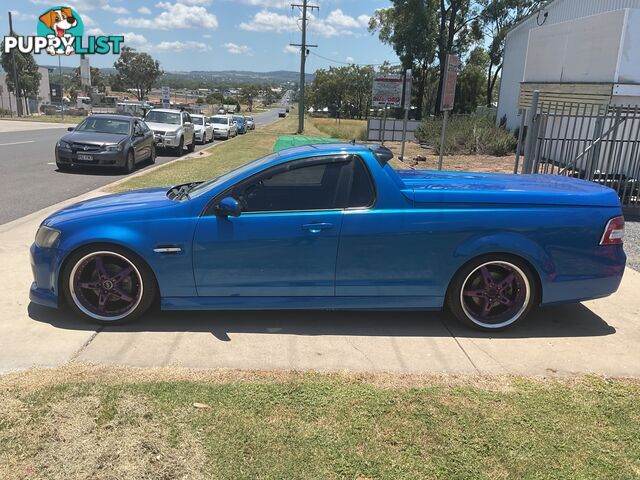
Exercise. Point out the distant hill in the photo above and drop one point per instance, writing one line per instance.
(231, 76)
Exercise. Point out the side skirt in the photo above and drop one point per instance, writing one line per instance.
(302, 303)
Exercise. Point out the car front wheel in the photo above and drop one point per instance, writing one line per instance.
(493, 292)
(130, 163)
(180, 148)
(108, 285)
(192, 146)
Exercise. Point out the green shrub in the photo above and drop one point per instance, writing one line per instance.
(467, 134)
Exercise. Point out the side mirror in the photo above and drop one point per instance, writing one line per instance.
(70, 129)
(207, 124)
(228, 207)
(187, 124)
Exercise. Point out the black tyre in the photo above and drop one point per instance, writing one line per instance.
(179, 150)
(152, 157)
(62, 167)
(493, 292)
(107, 284)
(130, 162)
(192, 146)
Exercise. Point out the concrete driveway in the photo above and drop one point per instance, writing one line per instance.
(600, 337)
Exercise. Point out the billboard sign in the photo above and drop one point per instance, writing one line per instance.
(166, 97)
(387, 90)
(450, 81)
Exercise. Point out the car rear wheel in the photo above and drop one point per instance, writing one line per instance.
(108, 285)
(130, 163)
(492, 292)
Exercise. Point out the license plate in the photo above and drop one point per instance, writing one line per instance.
(85, 158)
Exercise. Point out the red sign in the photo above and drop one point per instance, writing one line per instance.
(450, 81)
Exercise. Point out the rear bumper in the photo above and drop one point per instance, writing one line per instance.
(592, 276)
(99, 159)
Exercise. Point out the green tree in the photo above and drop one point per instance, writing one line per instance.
(470, 92)
(138, 70)
(345, 91)
(27, 72)
(248, 93)
(98, 81)
(497, 17)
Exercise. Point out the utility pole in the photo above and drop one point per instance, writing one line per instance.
(303, 57)
(16, 87)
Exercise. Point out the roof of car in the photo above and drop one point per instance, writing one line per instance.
(112, 116)
(166, 110)
(382, 153)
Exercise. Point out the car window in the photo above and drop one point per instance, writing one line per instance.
(220, 120)
(138, 129)
(104, 125)
(163, 117)
(362, 193)
(308, 187)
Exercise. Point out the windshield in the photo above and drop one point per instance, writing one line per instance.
(239, 119)
(163, 117)
(220, 120)
(104, 125)
(207, 186)
(197, 120)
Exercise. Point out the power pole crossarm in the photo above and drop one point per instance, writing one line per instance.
(303, 57)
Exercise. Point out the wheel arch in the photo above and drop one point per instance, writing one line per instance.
(101, 245)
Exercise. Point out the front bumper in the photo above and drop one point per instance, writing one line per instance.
(163, 141)
(99, 159)
(45, 263)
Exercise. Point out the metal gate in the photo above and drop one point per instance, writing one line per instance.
(595, 142)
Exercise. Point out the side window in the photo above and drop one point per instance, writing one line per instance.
(138, 128)
(362, 193)
(308, 187)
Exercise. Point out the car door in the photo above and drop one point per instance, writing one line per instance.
(138, 141)
(285, 241)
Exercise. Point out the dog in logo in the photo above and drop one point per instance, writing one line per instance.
(59, 20)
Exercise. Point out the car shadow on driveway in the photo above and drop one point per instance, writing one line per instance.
(548, 322)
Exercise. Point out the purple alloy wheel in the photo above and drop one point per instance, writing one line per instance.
(106, 285)
(495, 294)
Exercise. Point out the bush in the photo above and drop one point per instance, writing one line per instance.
(467, 135)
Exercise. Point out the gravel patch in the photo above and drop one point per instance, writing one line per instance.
(632, 243)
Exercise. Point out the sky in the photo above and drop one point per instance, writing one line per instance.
(251, 35)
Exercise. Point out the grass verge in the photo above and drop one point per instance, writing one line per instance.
(127, 423)
(71, 119)
(227, 156)
(347, 129)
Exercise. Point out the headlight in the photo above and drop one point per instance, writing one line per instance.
(47, 237)
(63, 144)
(171, 134)
(116, 147)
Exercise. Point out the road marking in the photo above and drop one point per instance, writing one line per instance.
(16, 143)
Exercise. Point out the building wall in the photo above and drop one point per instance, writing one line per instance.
(34, 105)
(517, 41)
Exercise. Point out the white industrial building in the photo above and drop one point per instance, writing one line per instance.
(573, 50)
(8, 100)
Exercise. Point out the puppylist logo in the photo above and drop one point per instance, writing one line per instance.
(60, 32)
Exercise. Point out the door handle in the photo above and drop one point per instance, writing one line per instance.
(317, 227)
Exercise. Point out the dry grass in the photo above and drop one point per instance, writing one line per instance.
(89, 422)
(347, 129)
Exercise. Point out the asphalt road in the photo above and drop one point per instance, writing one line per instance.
(29, 180)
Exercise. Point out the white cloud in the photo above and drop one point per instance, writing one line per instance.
(96, 32)
(238, 49)
(135, 40)
(266, 21)
(336, 23)
(196, 2)
(349, 60)
(268, 3)
(78, 5)
(116, 10)
(207, 35)
(176, 15)
(179, 46)
(144, 11)
(291, 49)
(88, 21)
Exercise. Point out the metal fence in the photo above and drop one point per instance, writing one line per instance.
(390, 129)
(595, 142)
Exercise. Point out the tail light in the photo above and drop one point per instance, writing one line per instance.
(613, 232)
